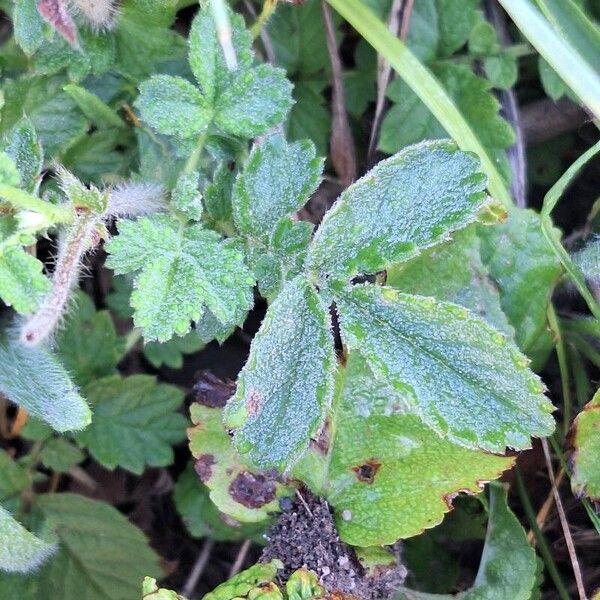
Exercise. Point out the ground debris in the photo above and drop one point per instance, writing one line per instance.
(306, 537)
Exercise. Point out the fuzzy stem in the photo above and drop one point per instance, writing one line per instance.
(71, 250)
(268, 8)
(20, 199)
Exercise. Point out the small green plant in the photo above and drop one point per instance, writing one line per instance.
(399, 339)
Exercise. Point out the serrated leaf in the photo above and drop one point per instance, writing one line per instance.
(173, 106)
(467, 381)
(254, 101)
(409, 121)
(102, 556)
(182, 271)
(60, 455)
(22, 282)
(387, 475)
(277, 180)
(20, 551)
(508, 567)
(88, 345)
(135, 422)
(525, 270)
(237, 490)
(286, 385)
(54, 115)
(201, 516)
(502, 70)
(453, 272)
(405, 204)
(206, 54)
(33, 378)
(585, 479)
(22, 145)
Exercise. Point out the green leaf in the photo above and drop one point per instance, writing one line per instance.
(241, 584)
(286, 385)
(483, 39)
(409, 120)
(453, 272)
(508, 567)
(54, 115)
(144, 38)
(171, 353)
(102, 556)
(405, 204)
(22, 282)
(502, 71)
(202, 518)
(585, 479)
(182, 270)
(60, 455)
(9, 174)
(97, 111)
(30, 28)
(588, 259)
(33, 378)
(173, 106)
(135, 422)
(151, 591)
(206, 54)
(22, 145)
(525, 270)
(387, 475)
(466, 380)
(254, 101)
(21, 551)
(277, 180)
(553, 85)
(14, 478)
(185, 197)
(245, 494)
(88, 345)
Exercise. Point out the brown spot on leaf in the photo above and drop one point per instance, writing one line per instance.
(253, 403)
(367, 471)
(211, 391)
(322, 441)
(253, 490)
(203, 467)
(55, 12)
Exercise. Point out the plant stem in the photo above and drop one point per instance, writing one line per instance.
(425, 86)
(132, 338)
(540, 539)
(550, 201)
(563, 366)
(268, 8)
(194, 158)
(20, 199)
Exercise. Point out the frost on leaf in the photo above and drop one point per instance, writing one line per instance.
(407, 203)
(33, 378)
(20, 551)
(245, 102)
(387, 474)
(236, 489)
(135, 422)
(182, 272)
(286, 385)
(466, 380)
(585, 480)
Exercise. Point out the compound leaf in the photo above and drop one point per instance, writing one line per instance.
(60, 455)
(245, 494)
(255, 100)
(20, 551)
(277, 180)
(389, 476)
(135, 422)
(102, 556)
(467, 381)
(585, 479)
(287, 383)
(22, 282)
(182, 270)
(33, 378)
(405, 204)
(173, 106)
